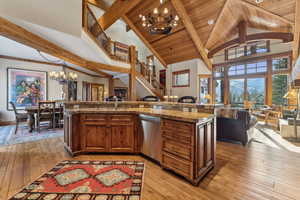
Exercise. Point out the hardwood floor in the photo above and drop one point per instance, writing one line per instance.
(253, 173)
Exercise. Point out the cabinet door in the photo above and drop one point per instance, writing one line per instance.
(205, 147)
(96, 138)
(122, 137)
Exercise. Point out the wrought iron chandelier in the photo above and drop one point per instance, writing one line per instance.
(160, 21)
(63, 77)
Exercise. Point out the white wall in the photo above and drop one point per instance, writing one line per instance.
(196, 67)
(54, 88)
(61, 15)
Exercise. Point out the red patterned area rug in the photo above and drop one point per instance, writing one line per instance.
(87, 180)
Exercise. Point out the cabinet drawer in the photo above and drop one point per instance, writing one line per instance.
(122, 118)
(182, 151)
(180, 166)
(178, 126)
(94, 117)
(182, 137)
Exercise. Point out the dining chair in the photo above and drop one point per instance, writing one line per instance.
(46, 113)
(59, 116)
(19, 117)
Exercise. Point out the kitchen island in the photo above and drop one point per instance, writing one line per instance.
(181, 141)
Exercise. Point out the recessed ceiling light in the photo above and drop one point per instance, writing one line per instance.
(259, 1)
(211, 22)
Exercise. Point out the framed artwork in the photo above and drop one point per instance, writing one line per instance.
(26, 87)
(121, 92)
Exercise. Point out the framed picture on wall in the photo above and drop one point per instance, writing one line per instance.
(26, 87)
(121, 92)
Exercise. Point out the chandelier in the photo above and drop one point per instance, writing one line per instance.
(63, 77)
(160, 21)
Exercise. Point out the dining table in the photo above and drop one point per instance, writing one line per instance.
(32, 112)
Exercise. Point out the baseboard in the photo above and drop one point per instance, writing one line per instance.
(7, 123)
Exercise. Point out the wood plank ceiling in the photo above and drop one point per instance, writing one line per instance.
(271, 15)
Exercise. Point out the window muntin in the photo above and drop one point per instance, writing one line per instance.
(279, 89)
(219, 72)
(236, 70)
(280, 64)
(181, 78)
(219, 91)
(257, 67)
(204, 90)
(256, 90)
(249, 49)
(236, 87)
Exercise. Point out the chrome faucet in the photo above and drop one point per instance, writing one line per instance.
(116, 102)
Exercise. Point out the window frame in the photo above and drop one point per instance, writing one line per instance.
(174, 74)
(253, 50)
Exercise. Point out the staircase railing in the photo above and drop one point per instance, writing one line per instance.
(115, 50)
(149, 76)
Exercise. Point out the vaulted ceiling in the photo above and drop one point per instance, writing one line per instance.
(179, 45)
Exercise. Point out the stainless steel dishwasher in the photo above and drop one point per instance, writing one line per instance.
(151, 137)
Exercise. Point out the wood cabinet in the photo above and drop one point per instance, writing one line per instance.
(188, 148)
(122, 133)
(100, 133)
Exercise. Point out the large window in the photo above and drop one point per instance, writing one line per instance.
(247, 81)
(279, 88)
(204, 90)
(256, 90)
(181, 78)
(219, 91)
(236, 87)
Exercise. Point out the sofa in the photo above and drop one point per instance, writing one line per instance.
(235, 125)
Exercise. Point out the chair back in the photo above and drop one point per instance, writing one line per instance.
(46, 107)
(150, 98)
(187, 99)
(113, 98)
(14, 107)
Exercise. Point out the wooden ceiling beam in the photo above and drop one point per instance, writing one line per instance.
(285, 37)
(242, 32)
(180, 9)
(23, 36)
(116, 11)
(99, 3)
(48, 63)
(218, 21)
(296, 44)
(144, 40)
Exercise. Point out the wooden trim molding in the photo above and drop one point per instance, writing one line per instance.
(187, 71)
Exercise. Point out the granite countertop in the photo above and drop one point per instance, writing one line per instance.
(169, 114)
(136, 103)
